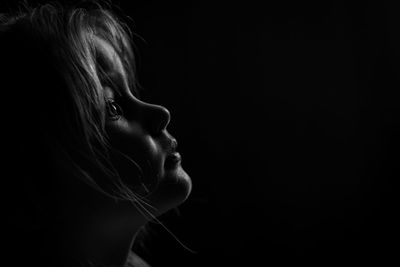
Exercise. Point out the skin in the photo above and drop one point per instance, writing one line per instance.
(104, 230)
(141, 134)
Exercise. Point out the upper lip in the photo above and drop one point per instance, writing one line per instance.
(173, 144)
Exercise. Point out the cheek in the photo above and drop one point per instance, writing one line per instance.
(131, 140)
(129, 137)
(148, 151)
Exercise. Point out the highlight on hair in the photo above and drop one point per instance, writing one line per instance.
(53, 46)
(47, 47)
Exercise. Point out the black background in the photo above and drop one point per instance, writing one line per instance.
(286, 114)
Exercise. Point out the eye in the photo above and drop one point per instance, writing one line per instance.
(114, 111)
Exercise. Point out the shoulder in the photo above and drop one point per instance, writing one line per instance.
(135, 261)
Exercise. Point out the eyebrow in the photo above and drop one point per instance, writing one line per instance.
(114, 79)
(114, 73)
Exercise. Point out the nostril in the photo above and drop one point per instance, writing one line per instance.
(165, 118)
(158, 118)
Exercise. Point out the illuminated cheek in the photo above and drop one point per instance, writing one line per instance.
(142, 148)
(131, 139)
(150, 159)
(152, 152)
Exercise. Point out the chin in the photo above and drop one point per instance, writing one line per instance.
(173, 189)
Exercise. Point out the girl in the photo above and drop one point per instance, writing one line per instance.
(87, 163)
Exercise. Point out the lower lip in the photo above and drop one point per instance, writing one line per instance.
(173, 160)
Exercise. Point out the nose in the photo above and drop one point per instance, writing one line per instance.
(156, 118)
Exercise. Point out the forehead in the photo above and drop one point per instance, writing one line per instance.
(107, 57)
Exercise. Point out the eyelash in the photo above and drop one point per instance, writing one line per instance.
(114, 111)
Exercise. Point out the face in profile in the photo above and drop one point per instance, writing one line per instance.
(78, 209)
(144, 153)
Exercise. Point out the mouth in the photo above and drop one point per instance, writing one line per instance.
(172, 160)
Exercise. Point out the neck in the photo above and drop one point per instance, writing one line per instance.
(103, 241)
(81, 232)
(83, 229)
(101, 247)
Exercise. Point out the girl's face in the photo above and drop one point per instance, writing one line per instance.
(137, 131)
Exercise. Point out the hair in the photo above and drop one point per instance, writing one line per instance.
(48, 57)
(54, 108)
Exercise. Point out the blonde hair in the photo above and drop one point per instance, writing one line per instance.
(58, 41)
(48, 62)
